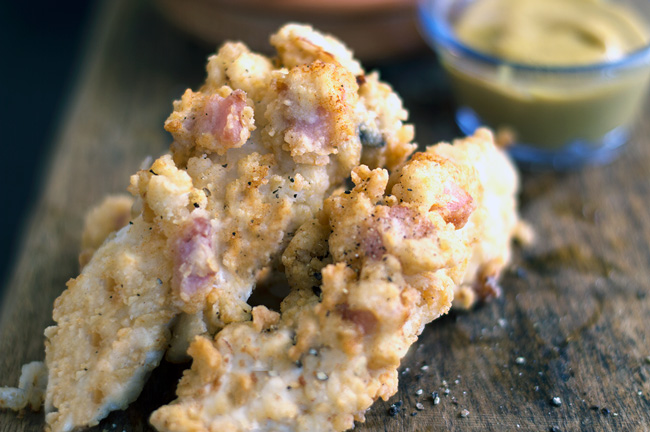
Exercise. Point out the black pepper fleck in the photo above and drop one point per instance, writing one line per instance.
(395, 409)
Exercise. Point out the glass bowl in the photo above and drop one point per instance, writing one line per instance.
(562, 117)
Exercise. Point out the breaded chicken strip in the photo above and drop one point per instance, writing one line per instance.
(256, 150)
(111, 329)
(496, 213)
(377, 264)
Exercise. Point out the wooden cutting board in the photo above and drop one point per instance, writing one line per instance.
(572, 323)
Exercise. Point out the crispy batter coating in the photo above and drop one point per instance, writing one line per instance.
(386, 140)
(256, 150)
(101, 221)
(377, 264)
(497, 215)
(384, 136)
(111, 329)
(30, 391)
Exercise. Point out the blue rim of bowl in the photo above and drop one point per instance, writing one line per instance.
(438, 31)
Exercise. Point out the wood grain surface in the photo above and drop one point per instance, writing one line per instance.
(572, 323)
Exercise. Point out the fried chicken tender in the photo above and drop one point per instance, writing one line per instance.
(376, 265)
(111, 329)
(256, 150)
(497, 214)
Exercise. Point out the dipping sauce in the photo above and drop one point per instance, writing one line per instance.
(537, 79)
(551, 32)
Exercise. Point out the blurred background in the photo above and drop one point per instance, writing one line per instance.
(41, 47)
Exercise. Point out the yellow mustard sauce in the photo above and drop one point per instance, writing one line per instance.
(549, 110)
(551, 32)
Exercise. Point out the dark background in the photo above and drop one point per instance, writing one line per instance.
(42, 44)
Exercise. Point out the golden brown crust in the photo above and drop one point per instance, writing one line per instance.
(367, 274)
(387, 141)
(497, 214)
(313, 113)
(111, 329)
(256, 150)
(101, 221)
